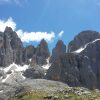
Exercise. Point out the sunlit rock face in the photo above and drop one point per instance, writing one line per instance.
(81, 65)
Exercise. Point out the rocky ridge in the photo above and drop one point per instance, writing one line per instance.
(79, 66)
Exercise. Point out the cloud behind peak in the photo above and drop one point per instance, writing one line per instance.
(28, 37)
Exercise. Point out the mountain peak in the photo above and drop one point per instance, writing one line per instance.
(8, 29)
(83, 38)
(59, 49)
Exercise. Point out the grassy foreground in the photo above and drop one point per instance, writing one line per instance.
(67, 94)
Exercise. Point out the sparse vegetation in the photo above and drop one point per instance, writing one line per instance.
(67, 94)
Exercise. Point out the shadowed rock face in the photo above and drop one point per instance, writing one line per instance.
(64, 68)
(79, 69)
(30, 51)
(58, 50)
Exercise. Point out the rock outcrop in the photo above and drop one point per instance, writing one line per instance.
(42, 49)
(81, 65)
(30, 51)
(41, 54)
(11, 48)
(38, 57)
(81, 39)
(59, 50)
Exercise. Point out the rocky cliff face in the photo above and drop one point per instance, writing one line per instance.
(11, 48)
(59, 49)
(81, 65)
(41, 54)
(81, 39)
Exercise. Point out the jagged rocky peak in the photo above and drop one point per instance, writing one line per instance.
(79, 68)
(11, 48)
(82, 38)
(42, 49)
(15, 41)
(41, 54)
(8, 29)
(59, 49)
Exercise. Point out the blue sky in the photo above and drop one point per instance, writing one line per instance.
(53, 17)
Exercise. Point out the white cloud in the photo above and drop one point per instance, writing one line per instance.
(35, 36)
(9, 22)
(26, 36)
(29, 36)
(61, 34)
(17, 2)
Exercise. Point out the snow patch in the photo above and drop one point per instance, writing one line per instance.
(22, 68)
(1, 91)
(15, 67)
(4, 80)
(16, 72)
(23, 76)
(14, 76)
(83, 48)
(79, 50)
(30, 59)
(47, 65)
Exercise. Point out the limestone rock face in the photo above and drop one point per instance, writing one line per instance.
(30, 51)
(34, 73)
(65, 68)
(79, 68)
(58, 50)
(91, 64)
(11, 48)
(81, 39)
(41, 53)
(42, 49)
